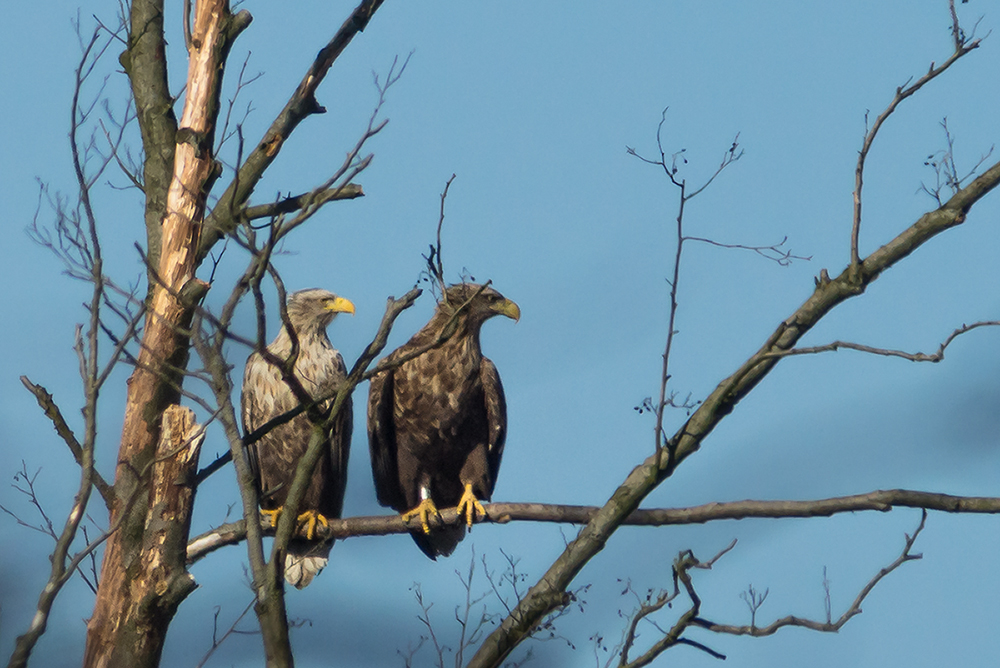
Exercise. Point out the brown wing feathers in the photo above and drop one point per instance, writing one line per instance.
(438, 422)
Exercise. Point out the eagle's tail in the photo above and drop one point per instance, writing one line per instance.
(304, 560)
(440, 542)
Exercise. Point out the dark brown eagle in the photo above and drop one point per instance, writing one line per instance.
(274, 457)
(437, 423)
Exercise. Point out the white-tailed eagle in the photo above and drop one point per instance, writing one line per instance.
(437, 423)
(275, 455)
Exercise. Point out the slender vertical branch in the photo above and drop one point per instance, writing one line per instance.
(671, 324)
(672, 172)
(86, 348)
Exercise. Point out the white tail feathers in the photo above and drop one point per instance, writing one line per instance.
(304, 561)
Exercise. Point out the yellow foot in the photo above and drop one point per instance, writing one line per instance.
(311, 518)
(424, 510)
(272, 515)
(469, 505)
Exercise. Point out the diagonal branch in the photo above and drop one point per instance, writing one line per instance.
(682, 565)
(302, 104)
(827, 626)
(46, 403)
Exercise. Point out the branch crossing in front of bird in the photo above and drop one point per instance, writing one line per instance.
(308, 520)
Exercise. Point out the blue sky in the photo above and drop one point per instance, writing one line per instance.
(532, 107)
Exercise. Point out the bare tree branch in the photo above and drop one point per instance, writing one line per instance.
(28, 480)
(291, 204)
(682, 564)
(503, 513)
(886, 352)
(947, 176)
(691, 618)
(772, 252)
(52, 412)
(216, 640)
(962, 47)
(672, 172)
(302, 104)
(827, 626)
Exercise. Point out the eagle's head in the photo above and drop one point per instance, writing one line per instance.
(478, 303)
(315, 308)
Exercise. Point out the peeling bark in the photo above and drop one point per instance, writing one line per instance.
(134, 606)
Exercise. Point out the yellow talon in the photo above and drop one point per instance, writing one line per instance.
(311, 518)
(424, 510)
(469, 505)
(272, 515)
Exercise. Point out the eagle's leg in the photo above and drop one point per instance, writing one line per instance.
(425, 509)
(311, 518)
(469, 505)
(272, 515)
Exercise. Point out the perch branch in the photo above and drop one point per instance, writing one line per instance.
(502, 513)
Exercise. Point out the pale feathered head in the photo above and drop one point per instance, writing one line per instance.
(315, 308)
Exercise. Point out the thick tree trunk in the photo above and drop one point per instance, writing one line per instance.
(143, 577)
(151, 586)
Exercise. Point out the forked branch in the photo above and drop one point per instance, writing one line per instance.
(692, 619)
(887, 352)
(828, 626)
(963, 45)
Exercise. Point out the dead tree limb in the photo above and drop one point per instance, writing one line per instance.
(119, 632)
(302, 104)
(502, 513)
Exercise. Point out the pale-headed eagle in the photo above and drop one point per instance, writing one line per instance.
(275, 456)
(437, 423)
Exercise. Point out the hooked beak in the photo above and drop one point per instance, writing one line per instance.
(341, 305)
(509, 309)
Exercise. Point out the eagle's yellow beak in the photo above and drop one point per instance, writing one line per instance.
(340, 305)
(509, 309)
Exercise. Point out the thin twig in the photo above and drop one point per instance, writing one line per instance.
(962, 47)
(886, 352)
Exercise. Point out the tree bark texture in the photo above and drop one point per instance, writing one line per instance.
(142, 575)
(145, 62)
